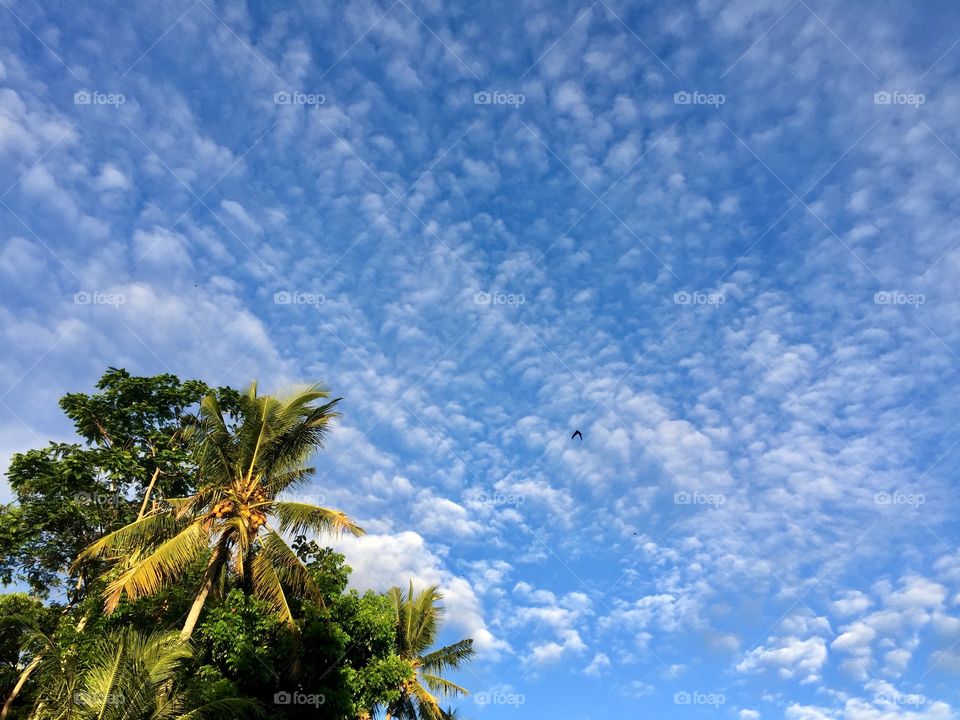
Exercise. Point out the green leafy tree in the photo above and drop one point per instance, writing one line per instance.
(236, 513)
(418, 619)
(135, 449)
(341, 650)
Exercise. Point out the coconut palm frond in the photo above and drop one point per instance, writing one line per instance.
(449, 657)
(267, 587)
(139, 533)
(297, 518)
(427, 704)
(443, 686)
(155, 571)
(127, 675)
(426, 614)
(289, 568)
(288, 479)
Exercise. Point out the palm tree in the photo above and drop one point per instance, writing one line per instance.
(418, 624)
(244, 465)
(125, 675)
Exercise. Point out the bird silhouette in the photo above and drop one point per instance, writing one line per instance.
(577, 433)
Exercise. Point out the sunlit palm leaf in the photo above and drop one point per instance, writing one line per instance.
(267, 587)
(290, 569)
(137, 534)
(443, 686)
(154, 572)
(297, 518)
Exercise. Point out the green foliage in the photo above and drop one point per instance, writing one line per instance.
(417, 619)
(19, 614)
(340, 648)
(235, 510)
(70, 494)
(246, 641)
(124, 675)
(279, 618)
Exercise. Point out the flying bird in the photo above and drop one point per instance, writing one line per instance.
(577, 433)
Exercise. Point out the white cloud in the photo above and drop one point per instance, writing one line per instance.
(383, 561)
(791, 657)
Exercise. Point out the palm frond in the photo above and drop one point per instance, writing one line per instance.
(159, 568)
(267, 586)
(227, 708)
(427, 704)
(148, 529)
(287, 479)
(426, 614)
(443, 686)
(451, 656)
(297, 518)
(288, 566)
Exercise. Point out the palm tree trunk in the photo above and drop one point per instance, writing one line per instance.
(209, 577)
(21, 681)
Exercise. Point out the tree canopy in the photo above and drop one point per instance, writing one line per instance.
(168, 513)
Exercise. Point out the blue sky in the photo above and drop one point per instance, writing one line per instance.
(718, 237)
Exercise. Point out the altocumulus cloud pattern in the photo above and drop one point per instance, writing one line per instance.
(717, 237)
